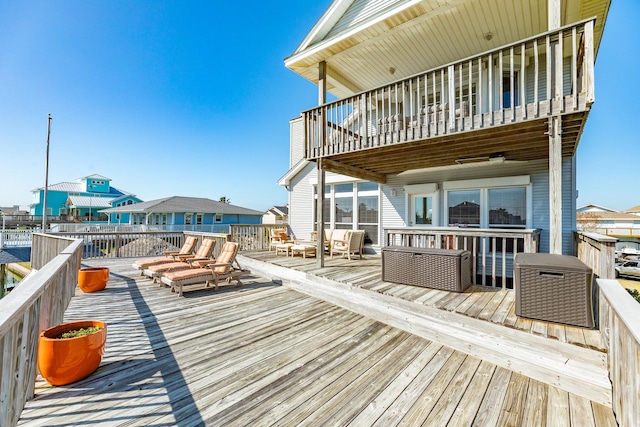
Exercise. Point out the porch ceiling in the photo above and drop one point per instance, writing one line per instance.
(411, 37)
(525, 141)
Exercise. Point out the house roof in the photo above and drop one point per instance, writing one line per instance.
(362, 40)
(279, 210)
(96, 176)
(184, 204)
(88, 201)
(634, 209)
(599, 215)
(291, 173)
(79, 187)
(594, 208)
(15, 254)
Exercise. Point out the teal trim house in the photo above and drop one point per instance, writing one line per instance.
(83, 199)
(186, 213)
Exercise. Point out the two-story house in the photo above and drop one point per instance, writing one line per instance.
(462, 114)
(83, 199)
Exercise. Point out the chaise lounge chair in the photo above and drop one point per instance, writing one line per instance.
(204, 253)
(169, 256)
(222, 269)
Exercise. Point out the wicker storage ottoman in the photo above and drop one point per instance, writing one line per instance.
(445, 269)
(555, 288)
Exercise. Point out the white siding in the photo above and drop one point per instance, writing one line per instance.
(301, 203)
(296, 141)
(359, 11)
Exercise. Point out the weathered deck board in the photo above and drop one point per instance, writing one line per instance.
(498, 307)
(265, 355)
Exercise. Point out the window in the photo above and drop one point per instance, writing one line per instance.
(217, 217)
(199, 219)
(489, 202)
(350, 206)
(464, 208)
(368, 217)
(423, 210)
(188, 217)
(508, 207)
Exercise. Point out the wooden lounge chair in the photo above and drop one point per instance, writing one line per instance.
(222, 269)
(278, 237)
(169, 256)
(353, 243)
(204, 253)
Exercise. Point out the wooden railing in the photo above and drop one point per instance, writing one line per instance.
(253, 237)
(510, 84)
(38, 303)
(618, 322)
(493, 250)
(598, 252)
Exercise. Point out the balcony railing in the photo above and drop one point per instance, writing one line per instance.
(515, 83)
(492, 250)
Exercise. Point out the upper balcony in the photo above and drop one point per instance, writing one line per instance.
(495, 102)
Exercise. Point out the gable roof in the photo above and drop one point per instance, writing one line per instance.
(96, 176)
(361, 41)
(278, 210)
(184, 204)
(634, 209)
(591, 207)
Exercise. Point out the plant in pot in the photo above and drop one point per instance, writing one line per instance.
(92, 279)
(71, 351)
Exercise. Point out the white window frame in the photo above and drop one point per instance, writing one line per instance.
(484, 185)
(422, 190)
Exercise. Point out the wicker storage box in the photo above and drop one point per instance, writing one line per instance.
(555, 288)
(445, 269)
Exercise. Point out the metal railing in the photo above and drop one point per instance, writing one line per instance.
(510, 84)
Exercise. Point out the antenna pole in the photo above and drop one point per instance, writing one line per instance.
(46, 179)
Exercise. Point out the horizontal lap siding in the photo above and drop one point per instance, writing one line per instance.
(359, 11)
(296, 141)
(301, 203)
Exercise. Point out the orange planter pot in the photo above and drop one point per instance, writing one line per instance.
(92, 279)
(64, 361)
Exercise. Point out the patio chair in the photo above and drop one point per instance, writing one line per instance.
(204, 253)
(169, 256)
(352, 244)
(328, 234)
(222, 268)
(278, 237)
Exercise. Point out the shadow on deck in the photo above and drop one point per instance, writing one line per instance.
(264, 354)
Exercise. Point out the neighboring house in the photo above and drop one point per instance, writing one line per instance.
(599, 219)
(464, 113)
(187, 213)
(83, 199)
(276, 215)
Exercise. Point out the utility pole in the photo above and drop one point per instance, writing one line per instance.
(46, 179)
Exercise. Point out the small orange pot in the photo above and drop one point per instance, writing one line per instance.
(67, 360)
(92, 279)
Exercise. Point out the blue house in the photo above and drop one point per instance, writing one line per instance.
(186, 213)
(83, 199)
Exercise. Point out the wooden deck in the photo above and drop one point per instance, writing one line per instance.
(480, 302)
(264, 354)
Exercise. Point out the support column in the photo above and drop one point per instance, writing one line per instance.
(555, 185)
(554, 21)
(322, 99)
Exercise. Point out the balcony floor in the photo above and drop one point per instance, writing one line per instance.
(264, 354)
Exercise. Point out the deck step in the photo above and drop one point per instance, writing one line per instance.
(571, 368)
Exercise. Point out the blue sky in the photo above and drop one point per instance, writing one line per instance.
(192, 98)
